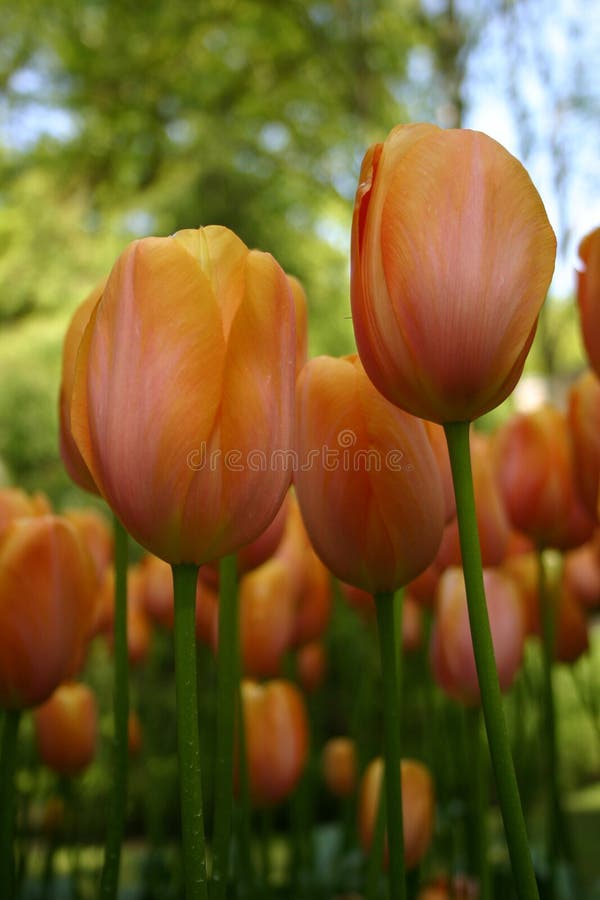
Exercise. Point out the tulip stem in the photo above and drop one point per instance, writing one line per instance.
(227, 697)
(386, 622)
(457, 437)
(548, 617)
(478, 803)
(8, 759)
(118, 802)
(188, 742)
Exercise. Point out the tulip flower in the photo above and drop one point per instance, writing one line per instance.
(276, 729)
(418, 807)
(266, 618)
(452, 255)
(15, 503)
(97, 537)
(535, 466)
(588, 296)
(46, 608)
(66, 729)
(73, 460)
(584, 424)
(301, 322)
(368, 484)
(178, 417)
(311, 661)
(339, 766)
(582, 574)
(452, 655)
(156, 590)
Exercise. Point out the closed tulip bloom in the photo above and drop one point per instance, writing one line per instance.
(300, 308)
(72, 459)
(157, 591)
(339, 766)
(571, 639)
(266, 607)
(184, 392)
(582, 574)
(311, 662)
(588, 296)
(46, 608)
(451, 652)
(368, 484)
(584, 423)
(535, 467)
(96, 535)
(66, 729)
(418, 807)
(276, 728)
(452, 255)
(15, 503)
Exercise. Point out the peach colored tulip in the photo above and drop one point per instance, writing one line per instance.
(72, 459)
(266, 605)
(437, 438)
(311, 661)
(452, 255)
(571, 626)
(157, 591)
(276, 728)
(368, 484)
(46, 608)
(300, 308)
(582, 574)
(183, 397)
(492, 520)
(451, 650)
(418, 807)
(584, 422)
(424, 586)
(535, 468)
(523, 568)
(207, 614)
(339, 766)
(66, 729)
(96, 535)
(588, 296)
(412, 624)
(15, 503)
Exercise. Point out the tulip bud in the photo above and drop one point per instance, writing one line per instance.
(157, 591)
(584, 422)
(368, 485)
(452, 255)
(418, 808)
(72, 459)
(588, 296)
(582, 575)
(46, 608)
(15, 504)
(301, 323)
(452, 657)
(276, 729)
(266, 605)
(312, 666)
(66, 729)
(182, 419)
(534, 459)
(339, 764)
(97, 537)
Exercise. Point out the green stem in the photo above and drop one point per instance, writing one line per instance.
(384, 603)
(227, 697)
(8, 759)
(553, 811)
(246, 863)
(457, 437)
(188, 743)
(478, 829)
(116, 824)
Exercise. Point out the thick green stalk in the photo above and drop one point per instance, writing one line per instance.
(478, 830)
(8, 759)
(457, 437)
(227, 697)
(188, 742)
(384, 603)
(118, 802)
